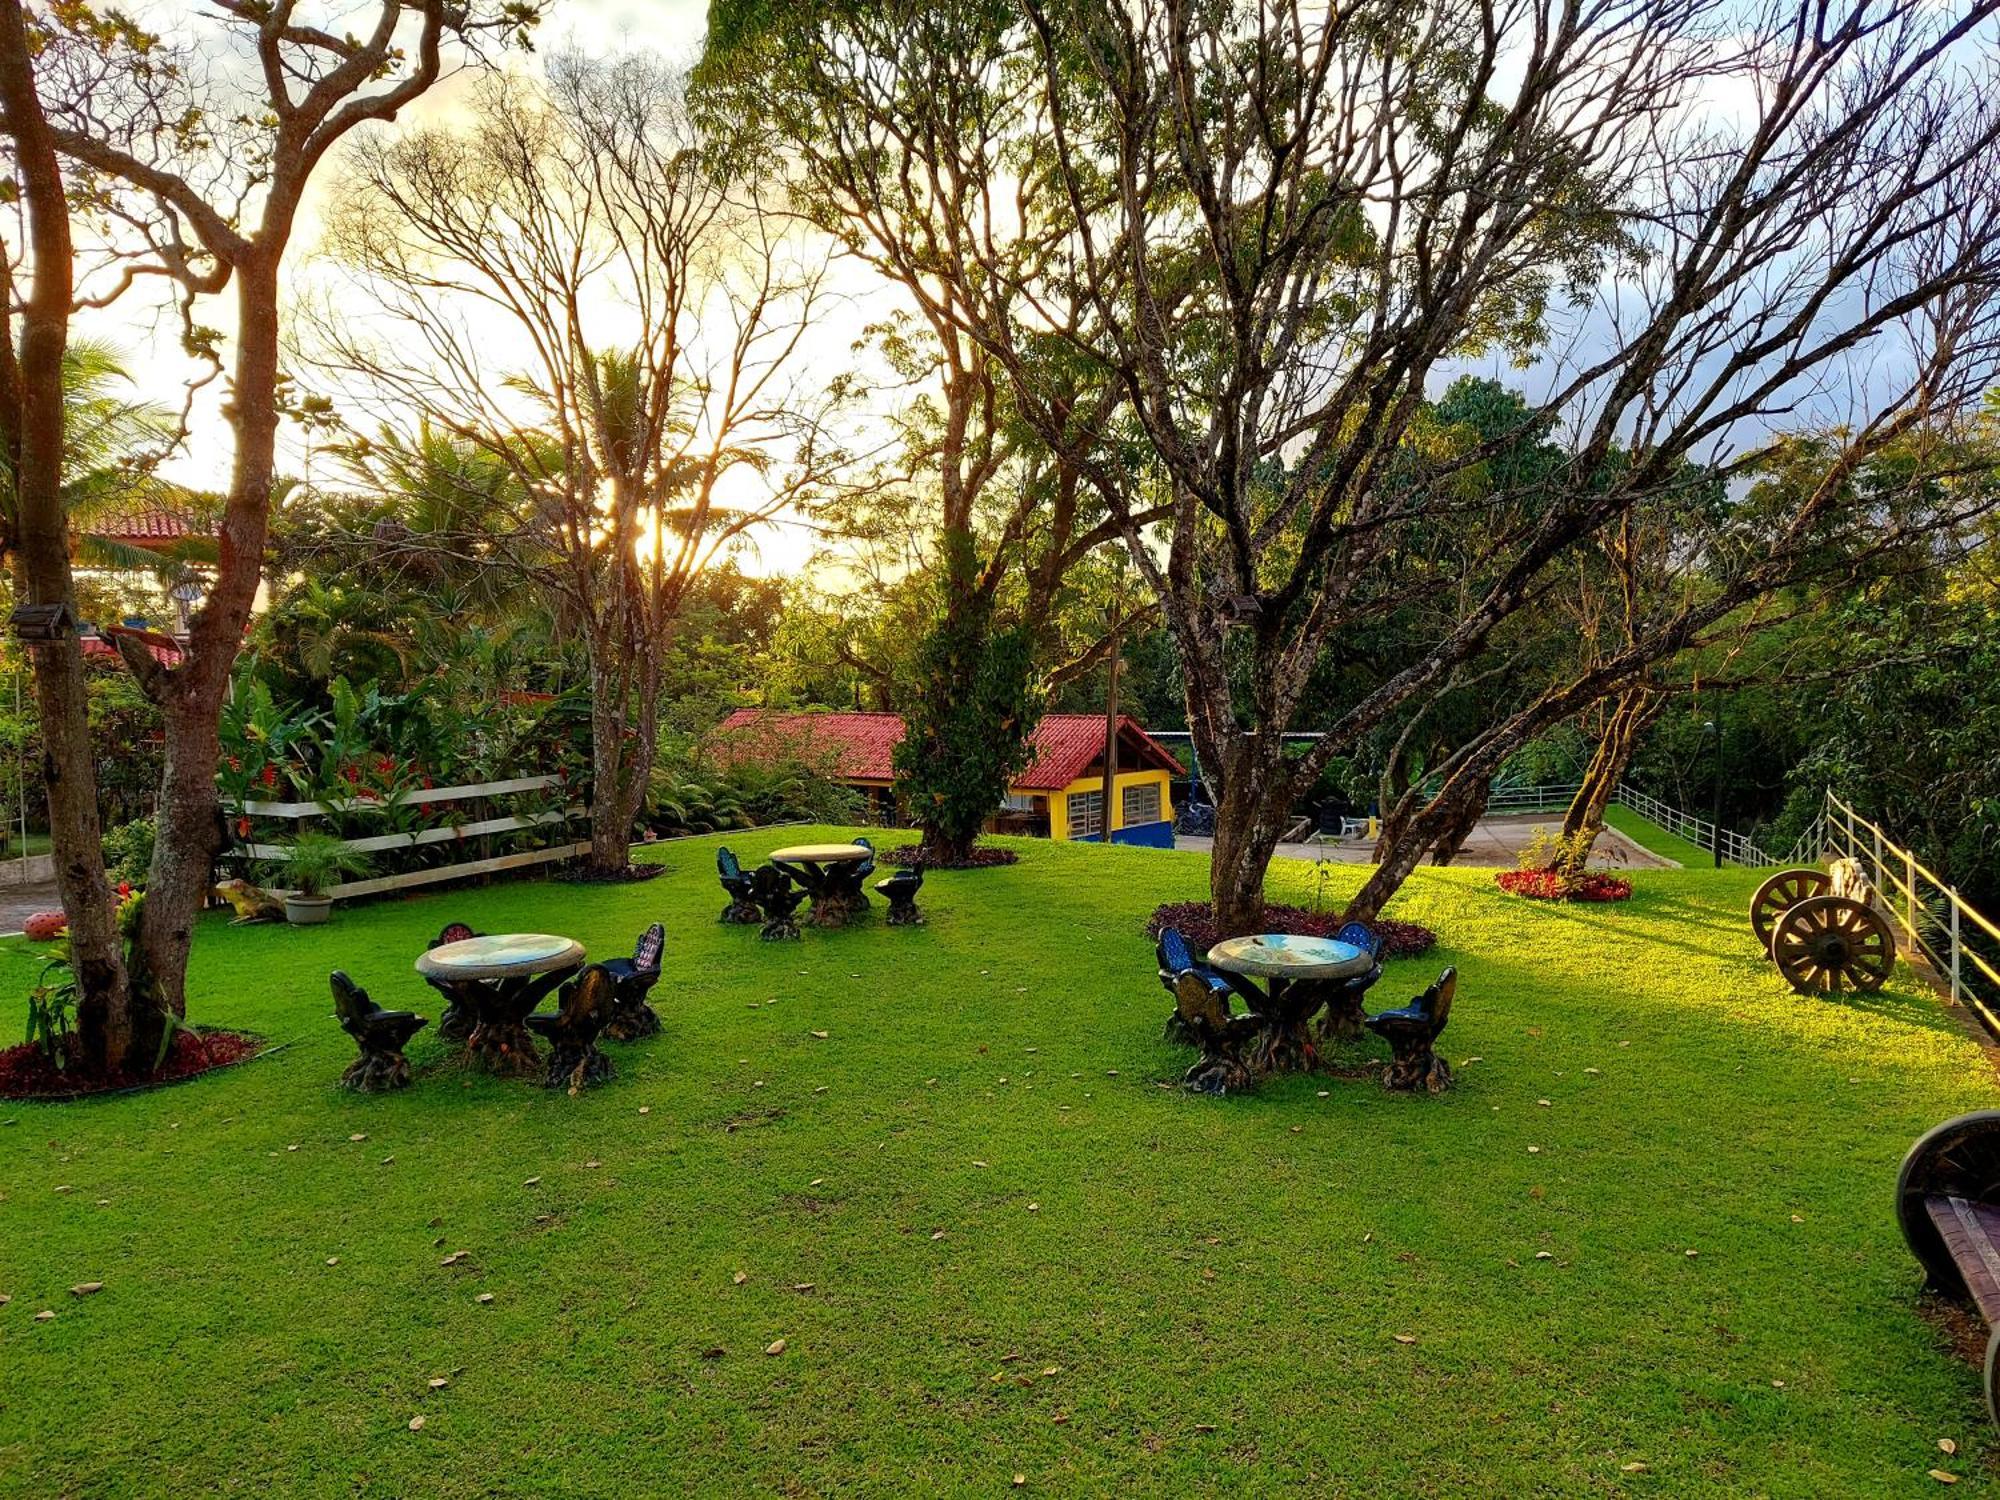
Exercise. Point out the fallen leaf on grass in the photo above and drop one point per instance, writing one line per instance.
(821, 1035)
(1404, 1338)
(85, 1288)
(1634, 1467)
(645, 1109)
(359, 1135)
(802, 1286)
(46, 1315)
(740, 1277)
(454, 1258)
(438, 1382)
(937, 1234)
(1943, 1478)
(483, 1298)
(776, 1346)
(531, 1182)
(333, 1260)
(1947, 1447)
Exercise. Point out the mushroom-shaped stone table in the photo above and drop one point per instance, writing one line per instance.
(1299, 973)
(829, 874)
(499, 980)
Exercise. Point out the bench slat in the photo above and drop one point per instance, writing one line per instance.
(1971, 1232)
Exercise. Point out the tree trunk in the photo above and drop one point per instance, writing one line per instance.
(1632, 714)
(610, 817)
(1446, 846)
(190, 817)
(1452, 805)
(1250, 816)
(34, 418)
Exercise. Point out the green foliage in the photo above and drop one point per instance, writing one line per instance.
(52, 1008)
(975, 703)
(316, 861)
(686, 797)
(128, 851)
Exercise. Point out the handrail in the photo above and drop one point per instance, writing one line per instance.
(1935, 925)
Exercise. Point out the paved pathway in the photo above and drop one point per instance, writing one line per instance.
(1496, 843)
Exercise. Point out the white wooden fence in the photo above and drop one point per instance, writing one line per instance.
(478, 828)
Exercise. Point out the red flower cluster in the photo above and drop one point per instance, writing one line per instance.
(1549, 885)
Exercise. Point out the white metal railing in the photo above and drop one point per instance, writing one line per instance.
(1961, 943)
(1737, 848)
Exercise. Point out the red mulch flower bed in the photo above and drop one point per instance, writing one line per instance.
(26, 1073)
(1196, 920)
(1547, 885)
(981, 857)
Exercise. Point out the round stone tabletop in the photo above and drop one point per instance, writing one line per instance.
(500, 956)
(1275, 955)
(821, 854)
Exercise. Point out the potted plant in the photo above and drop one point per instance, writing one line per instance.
(318, 860)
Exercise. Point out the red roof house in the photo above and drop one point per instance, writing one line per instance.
(1059, 792)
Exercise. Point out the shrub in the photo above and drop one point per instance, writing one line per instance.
(1554, 885)
(1196, 921)
(128, 851)
(978, 857)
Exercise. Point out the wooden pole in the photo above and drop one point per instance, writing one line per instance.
(1111, 735)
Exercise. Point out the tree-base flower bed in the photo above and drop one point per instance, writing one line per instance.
(1553, 885)
(1196, 921)
(979, 857)
(27, 1073)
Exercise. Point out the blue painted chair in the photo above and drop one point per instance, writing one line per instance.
(1175, 959)
(632, 979)
(1345, 1012)
(742, 907)
(1412, 1034)
(867, 866)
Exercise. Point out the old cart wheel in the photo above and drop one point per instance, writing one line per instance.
(1958, 1159)
(1828, 944)
(1781, 892)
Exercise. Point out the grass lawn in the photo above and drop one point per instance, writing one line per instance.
(1651, 836)
(991, 1242)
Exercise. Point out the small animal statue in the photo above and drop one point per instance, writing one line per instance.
(1848, 878)
(252, 904)
(1412, 1034)
(380, 1034)
(777, 900)
(1176, 959)
(583, 1009)
(1220, 1035)
(633, 978)
(1344, 1014)
(742, 907)
(901, 891)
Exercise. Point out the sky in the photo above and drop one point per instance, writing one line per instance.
(148, 337)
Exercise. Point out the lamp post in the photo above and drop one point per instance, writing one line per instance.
(1714, 728)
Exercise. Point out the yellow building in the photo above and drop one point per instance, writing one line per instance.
(1060, 793)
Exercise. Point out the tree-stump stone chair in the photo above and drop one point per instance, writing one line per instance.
(1175, 959)
(1948, 1203)
(584, 1008)
(1221, 1036)
(777, 902)
(1412, 1034)
(1345, 1013)
(456, 1024)
(380, 1034)
(633, 979)
(900, 891)
(740, 887)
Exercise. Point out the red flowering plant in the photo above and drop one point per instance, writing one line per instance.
(1553, 868)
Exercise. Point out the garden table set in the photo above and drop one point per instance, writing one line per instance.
(833, 876)
(492, 984)
(1286, 981)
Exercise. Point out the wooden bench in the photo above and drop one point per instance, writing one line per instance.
(1948, 1202)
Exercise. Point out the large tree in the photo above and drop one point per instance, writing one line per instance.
(606, 314)
(194, 178)
(1290, 222)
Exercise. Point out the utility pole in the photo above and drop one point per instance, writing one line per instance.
(1714, 727)
(1111, 730)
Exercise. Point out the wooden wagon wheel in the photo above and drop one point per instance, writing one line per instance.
(1828, 944)
(1958, 1159)
(1779, 894)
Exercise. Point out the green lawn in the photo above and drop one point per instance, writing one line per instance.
(1651, 836)
(992, 1243)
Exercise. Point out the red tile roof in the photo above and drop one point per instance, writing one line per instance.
(146, 523)
(861, 747)
(166, 651)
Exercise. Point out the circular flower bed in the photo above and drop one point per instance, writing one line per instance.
(1196, 921)
(27, 1073)
(1551, 885)
(980, 857)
